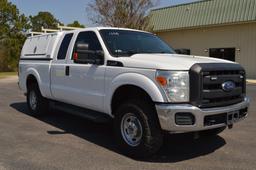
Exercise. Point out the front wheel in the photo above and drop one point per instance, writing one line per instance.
(137, 129)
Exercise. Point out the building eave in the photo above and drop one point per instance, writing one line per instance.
(203, 26)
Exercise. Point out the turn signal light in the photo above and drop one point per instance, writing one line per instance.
(161, 80)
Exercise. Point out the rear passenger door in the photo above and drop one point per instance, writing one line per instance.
(86, 81)
(59, 69)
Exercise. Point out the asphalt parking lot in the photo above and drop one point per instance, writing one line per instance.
(63, 141)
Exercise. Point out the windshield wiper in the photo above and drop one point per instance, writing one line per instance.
(129, 53)
(132, 52)
(160, 52)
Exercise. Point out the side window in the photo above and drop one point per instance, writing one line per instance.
(90, 38)
(64, 46)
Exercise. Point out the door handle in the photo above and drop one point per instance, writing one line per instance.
(67, 70)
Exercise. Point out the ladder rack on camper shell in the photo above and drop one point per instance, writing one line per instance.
(46, 30)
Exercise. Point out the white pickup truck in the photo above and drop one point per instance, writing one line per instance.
(134, 78)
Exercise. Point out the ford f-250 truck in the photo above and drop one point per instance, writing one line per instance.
(134, 78)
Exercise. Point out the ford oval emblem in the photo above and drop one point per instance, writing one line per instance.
(228, 86)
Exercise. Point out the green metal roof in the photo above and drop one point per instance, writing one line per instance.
(203, 13)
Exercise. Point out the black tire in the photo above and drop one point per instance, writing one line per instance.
(151, 138)
(42, 104)
(213, 132)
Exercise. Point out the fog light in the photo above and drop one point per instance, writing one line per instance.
(184, 118)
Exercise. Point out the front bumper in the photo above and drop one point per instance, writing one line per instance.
(166, 114)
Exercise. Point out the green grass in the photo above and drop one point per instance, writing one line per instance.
(7, 74)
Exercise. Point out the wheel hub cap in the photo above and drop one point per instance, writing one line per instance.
(32, 100)
(131, 129)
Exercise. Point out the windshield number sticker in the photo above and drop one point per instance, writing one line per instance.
(114, 33)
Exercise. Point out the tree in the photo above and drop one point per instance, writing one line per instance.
(121, 13)
(11, 22)
(12, 26)
(43, 19)
(76, 24)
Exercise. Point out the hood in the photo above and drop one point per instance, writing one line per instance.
(166, 61)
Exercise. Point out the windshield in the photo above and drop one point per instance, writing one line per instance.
(127, 43)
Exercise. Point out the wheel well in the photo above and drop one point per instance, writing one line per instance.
(31, 80)
(127, 92)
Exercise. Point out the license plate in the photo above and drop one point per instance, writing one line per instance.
(232, 117)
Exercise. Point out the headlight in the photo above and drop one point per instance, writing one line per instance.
(175, 84)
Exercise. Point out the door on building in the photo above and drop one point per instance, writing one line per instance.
(223, 53)
(183, 51)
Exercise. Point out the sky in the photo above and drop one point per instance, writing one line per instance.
(68, 11)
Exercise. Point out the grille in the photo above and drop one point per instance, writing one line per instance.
(215, 119)
(206, 84)
(222, 118)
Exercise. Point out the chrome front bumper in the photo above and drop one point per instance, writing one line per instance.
(166, 114)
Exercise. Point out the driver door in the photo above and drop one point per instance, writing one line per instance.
(86, 81)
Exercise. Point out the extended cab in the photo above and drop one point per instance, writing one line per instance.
(134, 78)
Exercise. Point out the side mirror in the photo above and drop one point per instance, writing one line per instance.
(83, 55)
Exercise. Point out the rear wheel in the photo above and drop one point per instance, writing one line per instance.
(37, 104)
(137, 129)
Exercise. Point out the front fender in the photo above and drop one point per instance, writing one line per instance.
(138, 80)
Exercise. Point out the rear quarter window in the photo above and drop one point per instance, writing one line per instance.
(64, 46)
